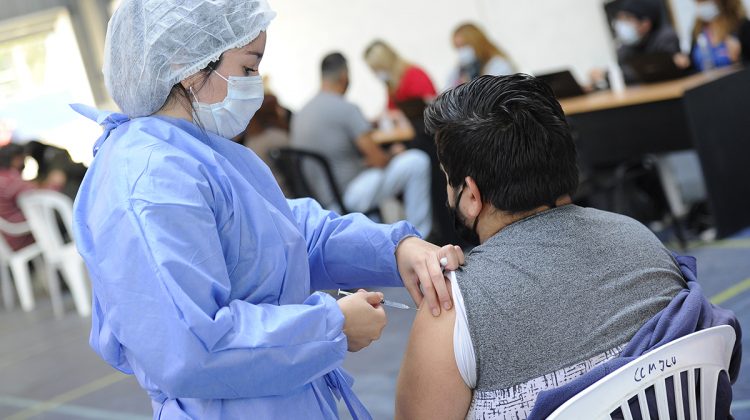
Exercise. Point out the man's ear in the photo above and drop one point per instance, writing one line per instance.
(473, 203)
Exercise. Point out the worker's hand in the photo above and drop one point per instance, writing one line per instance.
(419, 265)
(681, 60)
(598, 77)
(396, 149)
(734, 48)
(364, 318)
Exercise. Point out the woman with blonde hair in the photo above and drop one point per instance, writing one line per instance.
(405, 81)
(721, 35)
(477, 56)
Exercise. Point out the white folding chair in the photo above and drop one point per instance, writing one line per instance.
(40, 208)
(699, 355)
(17, 263)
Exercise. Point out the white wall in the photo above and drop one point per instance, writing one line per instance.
(540, 35)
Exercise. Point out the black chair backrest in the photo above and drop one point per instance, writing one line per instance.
(298, 166)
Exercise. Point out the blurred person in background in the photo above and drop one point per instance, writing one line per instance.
(268, 130)
(405, 81)
(53, 161)
(640, 28)
(409, 91)
(367, 174)
(12, 163)
(721, 35)
(477, 56)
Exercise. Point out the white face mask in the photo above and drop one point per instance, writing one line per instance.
(707, 11)
(626, 32)
(230, 117)
(383, 76)
(466, 55)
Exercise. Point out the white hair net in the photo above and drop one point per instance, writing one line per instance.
(153, 44)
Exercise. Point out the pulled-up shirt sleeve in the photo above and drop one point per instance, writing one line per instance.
(349, 251)
(164, 292)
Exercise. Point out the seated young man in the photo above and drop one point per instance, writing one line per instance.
(552, 289)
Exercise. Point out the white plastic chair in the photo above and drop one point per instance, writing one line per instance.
(705, 352)
(40, 207)
(17, 262)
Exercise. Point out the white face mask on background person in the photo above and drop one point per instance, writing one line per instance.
(383, 76)
(466, 55)
(230, 117)
(707, 11)
(626, 32)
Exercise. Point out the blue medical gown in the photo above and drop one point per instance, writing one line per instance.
(202, 273)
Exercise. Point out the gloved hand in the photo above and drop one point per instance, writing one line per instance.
(364, 318)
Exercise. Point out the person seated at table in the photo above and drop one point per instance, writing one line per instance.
(551, 289)
(721, 35)
(405, 81)
(640, 29)
(477, 56)
(367, 175)
(12, 163)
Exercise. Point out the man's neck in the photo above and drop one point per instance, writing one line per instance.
(493, 221)
(332, 88)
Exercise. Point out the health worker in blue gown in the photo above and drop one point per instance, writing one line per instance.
(202, 271)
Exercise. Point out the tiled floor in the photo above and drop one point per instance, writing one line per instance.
(47, 370)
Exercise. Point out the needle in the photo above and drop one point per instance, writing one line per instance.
(384, 302)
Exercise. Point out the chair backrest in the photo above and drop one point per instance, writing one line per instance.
(693, 361)
(12, 229)
(41, 208)
(298, 166)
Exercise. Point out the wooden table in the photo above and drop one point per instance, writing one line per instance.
(399, 129)
(707, 112)
(397, 135)
(637, 95)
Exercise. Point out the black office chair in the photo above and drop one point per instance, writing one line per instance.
(290, 162)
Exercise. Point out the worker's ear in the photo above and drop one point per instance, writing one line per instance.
(471, 199)
(192, 82)
(645, 26)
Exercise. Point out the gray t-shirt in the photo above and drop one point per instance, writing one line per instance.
(330, 125)
(560, 287)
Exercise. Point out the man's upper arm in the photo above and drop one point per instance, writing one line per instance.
(355, 122)
(429, 384)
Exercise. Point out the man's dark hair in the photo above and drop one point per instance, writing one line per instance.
(332, 66)
(510, 135)
(8, 153)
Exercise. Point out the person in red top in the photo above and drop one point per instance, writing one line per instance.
(405, 81)
(12, 157)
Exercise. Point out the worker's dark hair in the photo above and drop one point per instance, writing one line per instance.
(643, 9)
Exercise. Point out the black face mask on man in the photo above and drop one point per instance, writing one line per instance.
(460, 222)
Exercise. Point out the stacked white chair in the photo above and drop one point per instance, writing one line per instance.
(699, 357)
(40, 208)
(17, 263)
